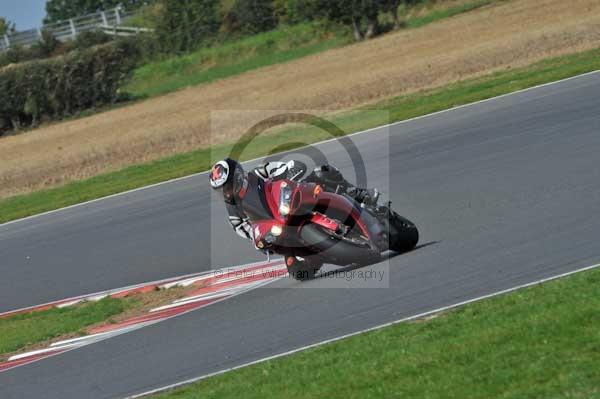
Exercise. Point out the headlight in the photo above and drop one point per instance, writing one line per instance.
(285, 198)
(276, 230)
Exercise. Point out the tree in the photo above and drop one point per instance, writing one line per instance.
(354, 13)
(6, 26)
(186, 24)
(391, 6)
(47, 44)
(296, 11)
(60, 10)
(362, 15)
(251, 16)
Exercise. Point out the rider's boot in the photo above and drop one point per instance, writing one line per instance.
(367, 196)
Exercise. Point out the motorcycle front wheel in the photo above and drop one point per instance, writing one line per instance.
(404, 235)
(303, 269)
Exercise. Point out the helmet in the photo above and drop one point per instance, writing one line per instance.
(229, 175)
(219, 174)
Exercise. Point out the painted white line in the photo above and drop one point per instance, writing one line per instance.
(97, 298)
(210, 295)
(190, 281)
(378, 327)
(242, 274)
(67, 304)
(32, 353)
(179, 304)
(79, 342)
(216, 273)
(317, 143)
(227, 280)
(87, 337)
(220, 274)
(222, 293)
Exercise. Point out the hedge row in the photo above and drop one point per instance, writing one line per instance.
(49, 47)
(62, 86)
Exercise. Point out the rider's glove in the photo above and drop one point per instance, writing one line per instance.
(281, 170)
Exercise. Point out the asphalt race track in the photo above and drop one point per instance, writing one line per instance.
(504, 192)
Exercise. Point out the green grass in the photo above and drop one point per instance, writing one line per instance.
(398, 108)
(234, 57)
(540, 342)
(20, 331)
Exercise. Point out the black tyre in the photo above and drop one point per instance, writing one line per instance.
(303, 270)
(404, 235)
(337, 250)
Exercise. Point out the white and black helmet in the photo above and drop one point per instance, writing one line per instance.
(219, 174)
(229, 175)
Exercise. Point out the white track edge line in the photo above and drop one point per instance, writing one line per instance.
(96, 336)
(366, 330)
(312, 144)
(174, 305)
(213, 294)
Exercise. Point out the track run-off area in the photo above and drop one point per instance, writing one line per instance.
(505, 192)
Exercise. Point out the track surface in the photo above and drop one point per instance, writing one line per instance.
(508, 190)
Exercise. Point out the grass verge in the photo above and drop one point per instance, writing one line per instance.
(29, 329)
(283, 44)
(539, 342)
(399, 108)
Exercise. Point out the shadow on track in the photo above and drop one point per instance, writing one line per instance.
(386, 256)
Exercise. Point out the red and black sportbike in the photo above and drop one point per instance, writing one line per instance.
(310, 227)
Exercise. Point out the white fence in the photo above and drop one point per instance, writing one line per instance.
(108, 21)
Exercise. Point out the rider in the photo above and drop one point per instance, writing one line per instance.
(229, 175)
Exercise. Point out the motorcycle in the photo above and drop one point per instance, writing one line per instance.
(310, 226)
